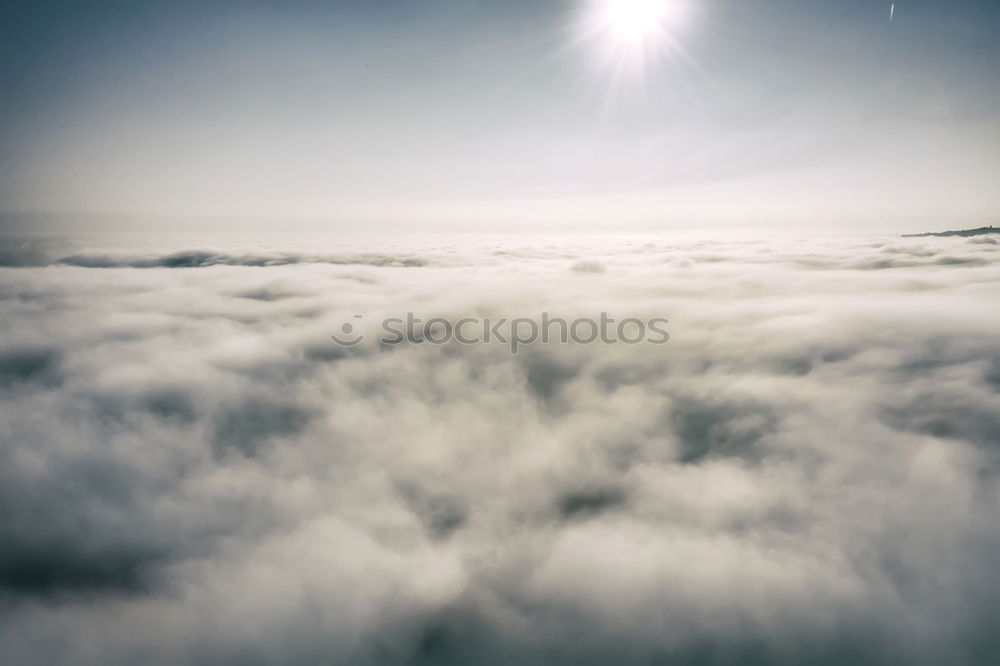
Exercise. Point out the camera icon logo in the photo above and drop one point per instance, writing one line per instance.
(350, 334)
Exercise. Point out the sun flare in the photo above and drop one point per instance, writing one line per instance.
(628, 36)
(636, 21)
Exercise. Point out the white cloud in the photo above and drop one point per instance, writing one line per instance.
(193, 472)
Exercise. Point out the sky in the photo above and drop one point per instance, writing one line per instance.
(489, 114)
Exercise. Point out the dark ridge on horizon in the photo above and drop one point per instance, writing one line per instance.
(961, 232)
(34, 256)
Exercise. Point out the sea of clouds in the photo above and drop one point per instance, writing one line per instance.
(193, 472)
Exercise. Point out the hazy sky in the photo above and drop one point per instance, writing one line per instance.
(490, 111)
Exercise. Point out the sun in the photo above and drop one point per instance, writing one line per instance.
(634, 22)
(628, 37)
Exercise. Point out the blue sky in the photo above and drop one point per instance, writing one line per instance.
(489, 112)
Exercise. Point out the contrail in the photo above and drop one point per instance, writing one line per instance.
(892, 11)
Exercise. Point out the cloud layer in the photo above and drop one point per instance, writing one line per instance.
(193, 472)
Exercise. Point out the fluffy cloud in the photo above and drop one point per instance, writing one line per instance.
(193, 472)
